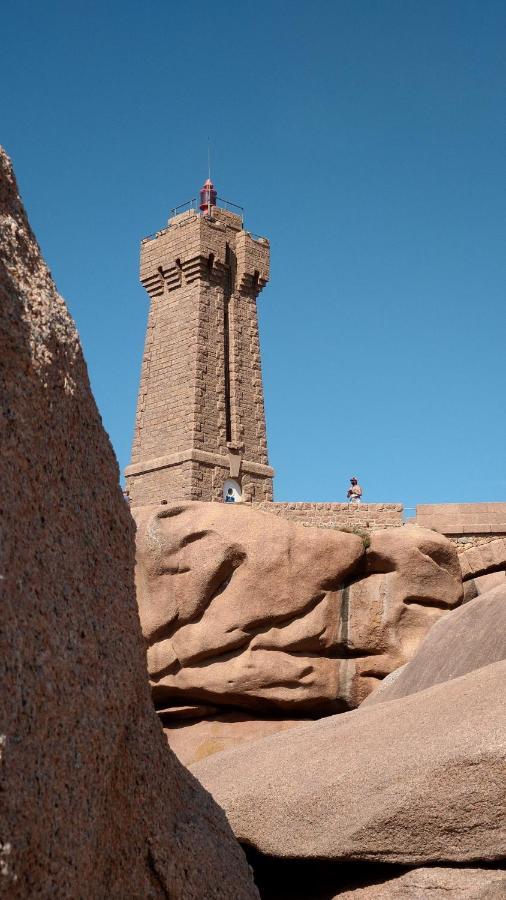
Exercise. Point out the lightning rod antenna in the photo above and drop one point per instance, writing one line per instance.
(209, 157)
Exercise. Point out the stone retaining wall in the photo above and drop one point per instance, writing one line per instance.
(468, 541)
(476, 561)
(338, 515)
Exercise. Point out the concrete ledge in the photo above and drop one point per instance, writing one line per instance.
(212, 459)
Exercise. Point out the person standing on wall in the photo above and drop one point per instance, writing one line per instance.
(355, 491)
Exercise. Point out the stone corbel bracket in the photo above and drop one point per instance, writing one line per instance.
(235, 455)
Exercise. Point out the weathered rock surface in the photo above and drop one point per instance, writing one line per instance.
(413, 781)
(93, 803)
(242, 609)
(247, 611)
(194, 740)
(412, 576)
(438, 883)
(238, 607)
(469, 637)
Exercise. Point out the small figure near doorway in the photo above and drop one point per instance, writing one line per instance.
(232, 492)
(355, 491)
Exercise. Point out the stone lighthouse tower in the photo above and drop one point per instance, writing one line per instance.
(200, 428)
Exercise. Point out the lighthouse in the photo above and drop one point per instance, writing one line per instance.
(200, 429)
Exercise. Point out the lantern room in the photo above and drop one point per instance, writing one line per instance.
(207, 197)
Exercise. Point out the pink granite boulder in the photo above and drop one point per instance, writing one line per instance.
(245, 611)
(238, 607)
(413, 781)
(468, 638)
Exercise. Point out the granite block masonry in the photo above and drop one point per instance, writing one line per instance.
(200, 428)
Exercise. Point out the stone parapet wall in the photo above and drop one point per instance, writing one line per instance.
(463, 518)
(465, 524)
(338, 515)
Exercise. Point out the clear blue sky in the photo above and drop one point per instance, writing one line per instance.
(365, 138)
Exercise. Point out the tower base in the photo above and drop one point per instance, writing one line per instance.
(195, 475)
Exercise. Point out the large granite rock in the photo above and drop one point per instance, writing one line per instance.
(412, 576)
(197, 736)
(436, 883)
(415, 781)
(93, 803)
(470, 637)
(238, 607)
(241, 609)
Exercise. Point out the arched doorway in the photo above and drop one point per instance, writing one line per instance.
(232, 492)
